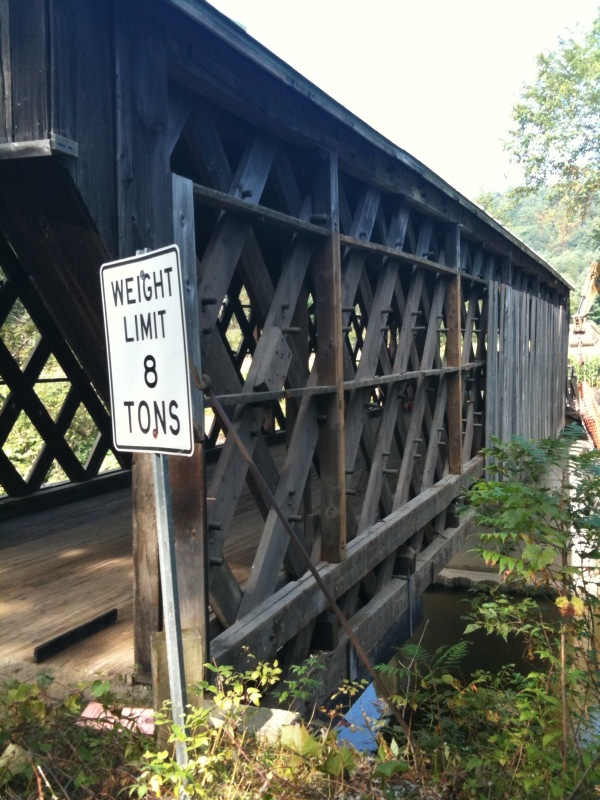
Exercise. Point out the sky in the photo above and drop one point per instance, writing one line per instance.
(438, 78)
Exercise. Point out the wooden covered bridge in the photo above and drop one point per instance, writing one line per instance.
(366, 327)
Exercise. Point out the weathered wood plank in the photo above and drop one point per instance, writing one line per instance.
(379, 311)
(284, 614)
(28, 26)
(453, 353)
(327, 282)
(274, 541)
(416, 421)
(389, 422)
(435, 436)
(82, 104)
(144, 221)
(6, 125)
(187, 476)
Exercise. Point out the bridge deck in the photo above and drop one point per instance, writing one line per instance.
(62, 567)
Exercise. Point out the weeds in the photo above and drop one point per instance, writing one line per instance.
(488, 736)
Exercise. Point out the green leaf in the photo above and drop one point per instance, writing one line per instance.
(340, 761)
(298, 739)
(99, 688)
(389, 768)
(547, 738)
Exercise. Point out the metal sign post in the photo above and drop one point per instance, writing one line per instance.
(151, 408)
(170, 595)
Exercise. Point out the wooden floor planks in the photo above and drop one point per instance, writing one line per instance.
(62, 567)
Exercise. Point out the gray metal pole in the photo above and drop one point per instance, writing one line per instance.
(170, 597)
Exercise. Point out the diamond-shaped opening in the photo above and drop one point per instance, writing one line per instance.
(209, 418)
(234, 335)
(443, 338)
(52, 387)
(23, 445)
(55, 474)
(110, 463)
(20, 334)
(245, 304)
(245, 365)
(52, 369)
(214, 433)
(82, 434)
(279, 415)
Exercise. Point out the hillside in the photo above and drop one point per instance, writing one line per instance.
(552, 230)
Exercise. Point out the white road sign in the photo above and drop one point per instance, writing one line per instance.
(146, 344)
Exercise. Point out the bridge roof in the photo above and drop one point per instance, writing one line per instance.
(236, 37)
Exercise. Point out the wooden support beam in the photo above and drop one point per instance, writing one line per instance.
(419, 402)
(327, 282)
(145, 220)
(453, 352)
(254, 212)
(187, 475)
(395, 253)
(285, 613)
(389, 422)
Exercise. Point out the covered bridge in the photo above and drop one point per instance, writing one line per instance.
(366, 327)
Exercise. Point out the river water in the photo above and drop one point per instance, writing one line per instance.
(443, 623)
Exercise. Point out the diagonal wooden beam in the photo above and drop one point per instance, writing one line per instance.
(225, 247)
(435, 435)
(416, 422)
(230, 474)
(22, 391)
(274, 542)
(374, 346)
(389, 422)
(453, 351)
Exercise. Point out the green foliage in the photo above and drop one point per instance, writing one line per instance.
(20, 336)
(225, 761)
(302, 682)
(594, 312)
(558, 119)
(231, 688)
(67, 759)
(555, 139)
(514, 735)
(549, 227)
(540, 523)
(588, 371)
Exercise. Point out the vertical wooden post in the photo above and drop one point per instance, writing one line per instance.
(145, 137)
(144, 221)
(453, 352)
(188, 475)
(327, 272)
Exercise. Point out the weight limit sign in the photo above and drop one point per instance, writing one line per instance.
(146, 344)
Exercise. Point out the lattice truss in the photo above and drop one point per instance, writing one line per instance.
(53, 426)
(260, 318)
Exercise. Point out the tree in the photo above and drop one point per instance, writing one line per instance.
(550, 228)
(556, 138)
